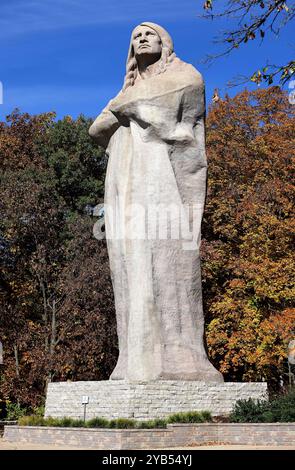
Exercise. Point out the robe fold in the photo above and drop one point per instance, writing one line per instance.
(154, 197)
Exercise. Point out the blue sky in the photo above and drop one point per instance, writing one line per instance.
(69, 56)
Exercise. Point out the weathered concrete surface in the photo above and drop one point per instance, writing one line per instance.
(154, 199)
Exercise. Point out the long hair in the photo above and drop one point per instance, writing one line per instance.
(167, 55)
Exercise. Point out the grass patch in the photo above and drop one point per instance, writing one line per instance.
(191, 417)
(96, 423)
(120, 423)
(280, 409)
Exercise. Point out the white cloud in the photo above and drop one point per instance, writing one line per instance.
(19, 17)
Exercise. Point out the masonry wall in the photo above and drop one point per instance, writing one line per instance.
(236, 433)
(143, 401)
(175, 435)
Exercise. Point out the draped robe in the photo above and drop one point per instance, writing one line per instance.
(155, 139)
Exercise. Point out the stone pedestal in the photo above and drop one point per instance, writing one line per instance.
(146, 400)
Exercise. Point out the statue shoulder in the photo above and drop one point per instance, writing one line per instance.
(188, 71)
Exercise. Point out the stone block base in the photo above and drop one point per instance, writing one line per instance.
(175, 436)
(146, 400)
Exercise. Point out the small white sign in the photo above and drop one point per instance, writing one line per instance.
(85, 400)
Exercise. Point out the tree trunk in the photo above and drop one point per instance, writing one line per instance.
(45, 315)
(16, 360)
(53, 328)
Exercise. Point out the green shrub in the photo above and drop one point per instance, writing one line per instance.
(97, 423)
(160, 423)
(112, 424)
(247, 411)
(33, 420)
(190, 417)
(66, 422)
(124, 423)
(39, 410)
(283, 407)
(207, 417)
(279, 409)
(14, 411)
(266, 417)
(52, 422)
(79, 423)
(152, 424)
(120, 423)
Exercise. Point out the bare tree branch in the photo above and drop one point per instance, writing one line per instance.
(254, 18)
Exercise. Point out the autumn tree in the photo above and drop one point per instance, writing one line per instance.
(85, 339)
(49, 171)
(57, 318)
(78, 164)
(249, 234)
(32, 221)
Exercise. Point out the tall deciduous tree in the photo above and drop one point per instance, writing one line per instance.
(249, 234)
(49, 172)
(57, 316)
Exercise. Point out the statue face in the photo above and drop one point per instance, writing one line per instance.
(146, 41)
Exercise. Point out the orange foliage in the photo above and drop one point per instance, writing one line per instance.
(248, 228)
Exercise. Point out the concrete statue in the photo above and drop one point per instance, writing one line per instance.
(153, 133)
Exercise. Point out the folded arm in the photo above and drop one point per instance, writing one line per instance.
(104, 126)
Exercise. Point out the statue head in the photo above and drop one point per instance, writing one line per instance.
(152, 42)
(146, 42)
